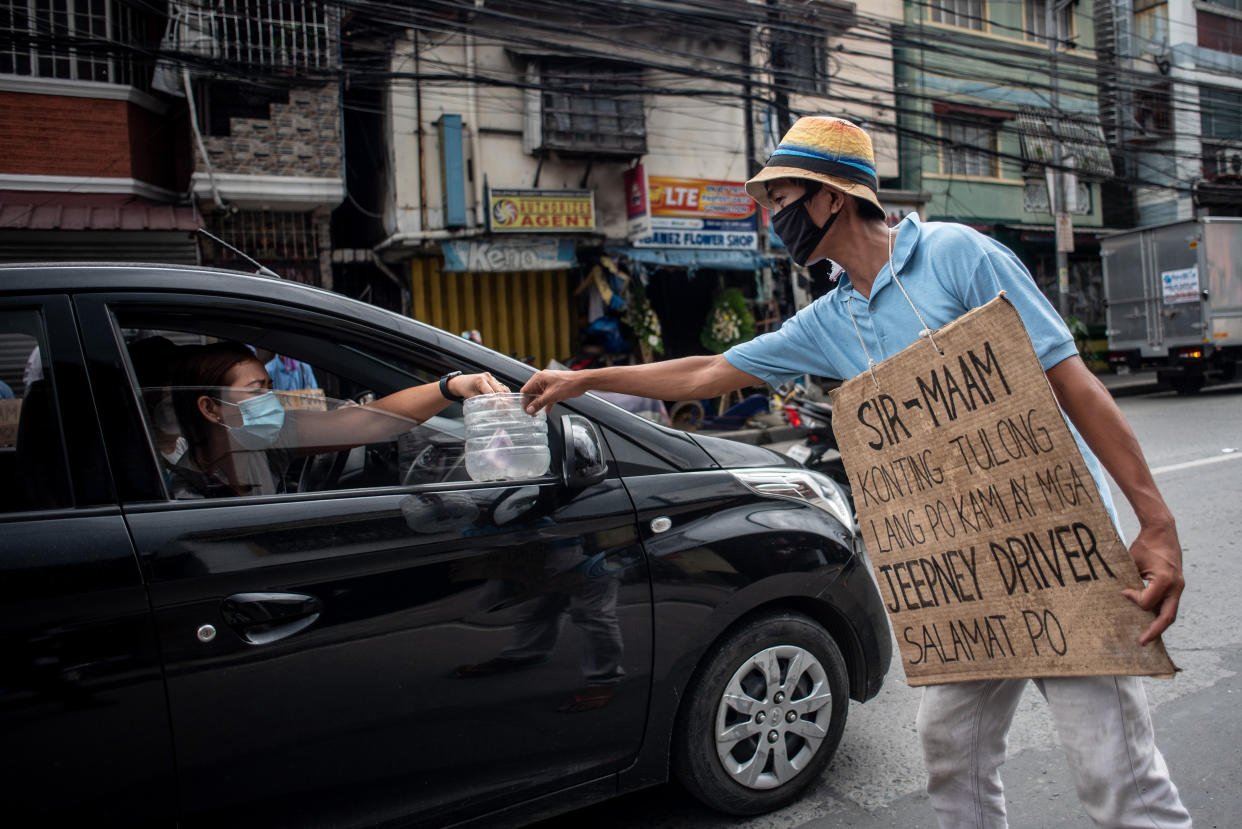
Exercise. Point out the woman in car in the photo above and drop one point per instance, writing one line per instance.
(242, 439)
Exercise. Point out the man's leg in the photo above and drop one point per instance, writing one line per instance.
(963, 728)
(1105, 728)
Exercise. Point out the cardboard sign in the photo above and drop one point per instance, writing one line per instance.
(10, 414)
(993, 552)
(310, 399)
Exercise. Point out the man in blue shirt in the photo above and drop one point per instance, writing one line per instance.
(821, 186)
(289, 374)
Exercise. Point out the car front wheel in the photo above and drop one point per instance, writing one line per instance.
(763, 716)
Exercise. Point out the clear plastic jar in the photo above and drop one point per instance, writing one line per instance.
(503, 442)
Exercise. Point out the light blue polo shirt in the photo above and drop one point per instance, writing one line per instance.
(947, 269)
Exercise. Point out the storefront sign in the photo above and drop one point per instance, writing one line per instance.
(540, 211)
(1180, 286)
(480, 257)
(993, 552)
(637, 203)
(700, 213)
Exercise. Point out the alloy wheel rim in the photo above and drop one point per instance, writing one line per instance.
(773, 716)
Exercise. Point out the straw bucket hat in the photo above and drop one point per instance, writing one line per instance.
(830, 150)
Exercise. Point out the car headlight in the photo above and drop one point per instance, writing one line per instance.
(803, 485)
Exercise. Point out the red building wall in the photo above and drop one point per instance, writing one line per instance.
(54, 135)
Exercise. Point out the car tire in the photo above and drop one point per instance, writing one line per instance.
(777, 667)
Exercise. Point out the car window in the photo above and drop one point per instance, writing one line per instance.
(299, 421)
(33, 471)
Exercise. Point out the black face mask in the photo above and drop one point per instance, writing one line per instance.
(793, 224)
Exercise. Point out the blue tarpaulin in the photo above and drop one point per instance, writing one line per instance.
(729, 260)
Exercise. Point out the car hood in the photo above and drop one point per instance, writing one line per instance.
(734, 454)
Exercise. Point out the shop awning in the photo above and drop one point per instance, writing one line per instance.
(1080, 134)
(26, 210)
(727, 260)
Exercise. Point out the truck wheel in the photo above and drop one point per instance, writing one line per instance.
(1187, 385)
(763, 716)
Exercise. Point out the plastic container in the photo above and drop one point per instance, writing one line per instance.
(503, 442)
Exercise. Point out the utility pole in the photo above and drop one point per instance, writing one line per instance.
(1064, 234)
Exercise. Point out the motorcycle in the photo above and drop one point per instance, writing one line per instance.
(818, 449)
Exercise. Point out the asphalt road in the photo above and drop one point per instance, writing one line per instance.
(1194, 446)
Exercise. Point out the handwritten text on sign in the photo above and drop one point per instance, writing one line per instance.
(992, 549)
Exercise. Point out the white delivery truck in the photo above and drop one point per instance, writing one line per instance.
(1174, 300)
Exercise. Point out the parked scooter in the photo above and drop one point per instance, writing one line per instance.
(818, 450)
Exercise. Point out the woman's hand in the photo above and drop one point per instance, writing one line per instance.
(468, 385)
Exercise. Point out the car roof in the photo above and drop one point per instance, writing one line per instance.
(79, 277)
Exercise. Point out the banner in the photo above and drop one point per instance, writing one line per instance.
(700, 213)
(993, 552)
(540, 211)
(637, 203)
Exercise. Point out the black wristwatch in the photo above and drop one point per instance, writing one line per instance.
(444, 389)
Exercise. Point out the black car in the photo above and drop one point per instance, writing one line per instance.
(379, 639)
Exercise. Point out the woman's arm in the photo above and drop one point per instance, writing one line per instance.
(356, 425)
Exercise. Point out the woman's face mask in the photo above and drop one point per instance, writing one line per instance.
(263, 417)
(797, 230)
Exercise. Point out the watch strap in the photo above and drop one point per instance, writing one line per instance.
(444, 388)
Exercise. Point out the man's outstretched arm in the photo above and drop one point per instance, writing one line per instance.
(686, 378)
(1156, 550)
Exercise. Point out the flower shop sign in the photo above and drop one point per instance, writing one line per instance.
(993, 552)
(700, 213)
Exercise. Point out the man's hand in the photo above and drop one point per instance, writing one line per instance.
(1159, 559)
(551, 387)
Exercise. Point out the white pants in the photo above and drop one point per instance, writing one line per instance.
(1104, 727)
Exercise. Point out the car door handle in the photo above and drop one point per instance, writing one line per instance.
(260, 618)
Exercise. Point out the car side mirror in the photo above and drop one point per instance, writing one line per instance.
(584, 463)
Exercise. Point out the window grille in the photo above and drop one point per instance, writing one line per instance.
(292, 34)
(1153, 111)
(1220, 112)
(1037, 21)
(967, 14)
(288, 243)
(594, 109)
(970, 149)
(79, 40)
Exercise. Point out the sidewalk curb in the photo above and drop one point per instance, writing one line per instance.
(758, 437)
(1133, 389)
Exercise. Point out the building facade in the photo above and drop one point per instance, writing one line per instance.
(1176, 76)
(995, 100)
(93, 161)
(533, 163)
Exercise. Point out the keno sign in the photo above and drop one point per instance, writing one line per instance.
(992, 549)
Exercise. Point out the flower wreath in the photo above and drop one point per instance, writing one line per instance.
(728, 323)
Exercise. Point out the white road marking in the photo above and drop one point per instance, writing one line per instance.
(1178, 467)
